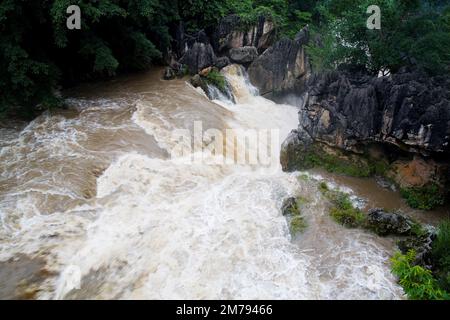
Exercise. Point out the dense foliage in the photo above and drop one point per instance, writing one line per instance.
(38, 53)
(420, 283)
(417, 282)
(412, 32)
(425, 198)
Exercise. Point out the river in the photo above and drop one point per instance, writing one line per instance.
(94, 193)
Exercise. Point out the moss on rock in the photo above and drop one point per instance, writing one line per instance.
(291, 209)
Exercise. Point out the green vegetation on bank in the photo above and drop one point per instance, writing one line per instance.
(420, 283)
(417, 282)
(345, 213)
(355, 166)
(342, 209)
(216, 79)
(424, 198)
(297, 224)
(441, 255)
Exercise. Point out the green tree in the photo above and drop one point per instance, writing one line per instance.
(38, 52)
(411, 32)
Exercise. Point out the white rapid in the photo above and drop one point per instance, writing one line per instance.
(94, 193)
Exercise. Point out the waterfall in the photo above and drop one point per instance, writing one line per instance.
(97, 193)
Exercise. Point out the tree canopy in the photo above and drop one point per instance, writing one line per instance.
(38, 54)
(412, 32)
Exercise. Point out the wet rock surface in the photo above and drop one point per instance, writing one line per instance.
(283, 67)
(169, 74)
(199, 57)
(222, 62)
(243, 55)
(385, 223)
(408, 109)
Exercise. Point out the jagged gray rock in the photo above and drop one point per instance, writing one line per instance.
(282, 68)
(385, 223)
(293, 150)
(422, 244)
(222, 62)
(199, 57)
(243, 55)
(408, 109)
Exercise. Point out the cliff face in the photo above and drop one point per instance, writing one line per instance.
(401, 121)
(408, 109)
(283, 67)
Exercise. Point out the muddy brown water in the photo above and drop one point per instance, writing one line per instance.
(93, 206)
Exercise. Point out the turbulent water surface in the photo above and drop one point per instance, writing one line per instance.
(94, 191)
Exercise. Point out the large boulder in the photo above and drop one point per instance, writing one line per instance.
(222, 62)
(169, 74)
(199, 57)
(282, 68)
(385, 223)
(243, 55)
(293, 150)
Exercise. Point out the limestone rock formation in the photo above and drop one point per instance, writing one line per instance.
(409, 110)
(199, 57)
(385, 223)
(243, 55)
(283, 67)
(230, 33)
(407, 114)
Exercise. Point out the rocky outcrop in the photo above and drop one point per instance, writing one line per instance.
(184, 41)
(422, 244)
(211, 89)
(243, 55)
(231, 33)
(199, 57)
(222, 62)
(408, 109)
(282, 68)
(294, 149)
(231, 41)
(407, 114)
(386, 223)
